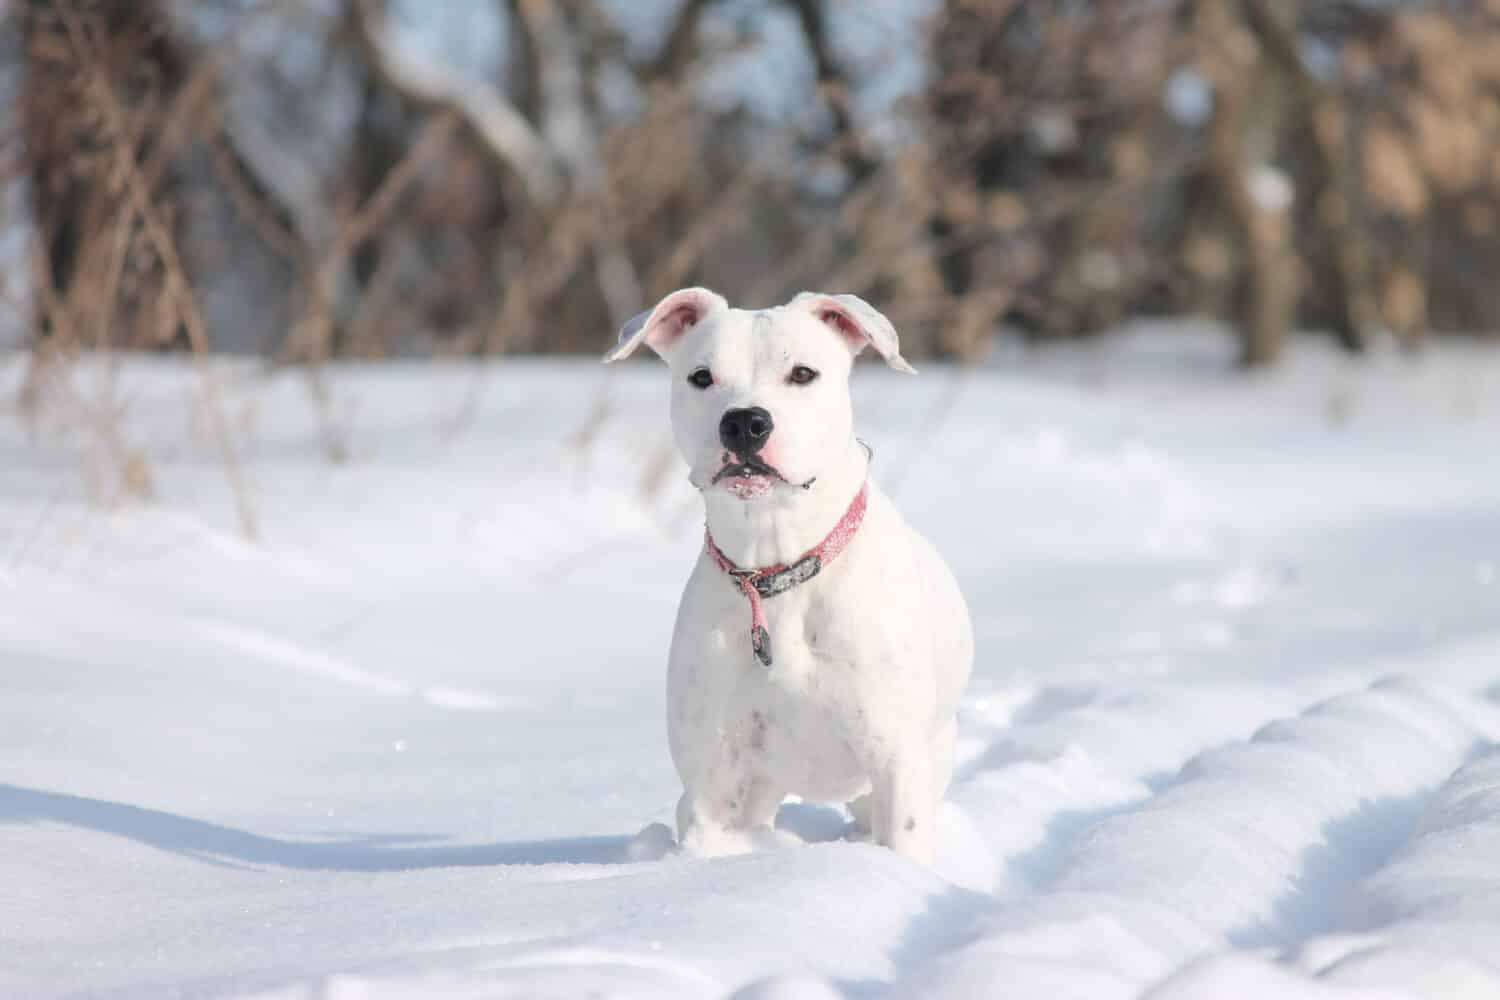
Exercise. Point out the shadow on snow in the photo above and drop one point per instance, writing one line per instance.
(214, 843)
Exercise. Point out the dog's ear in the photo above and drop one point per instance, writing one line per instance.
(858, 323)
(664, 324)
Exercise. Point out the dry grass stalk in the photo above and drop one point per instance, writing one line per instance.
(178, 287)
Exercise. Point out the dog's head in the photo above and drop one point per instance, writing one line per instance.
(760, 398)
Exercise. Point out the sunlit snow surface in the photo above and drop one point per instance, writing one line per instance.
(1230, 732)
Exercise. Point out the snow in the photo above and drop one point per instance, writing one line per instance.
(1270, 188)
(1232, 730)
(1189, 97)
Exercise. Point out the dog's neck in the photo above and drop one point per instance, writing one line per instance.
(785, 524)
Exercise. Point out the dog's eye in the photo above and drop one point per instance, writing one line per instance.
(802, 375)
(701, 378)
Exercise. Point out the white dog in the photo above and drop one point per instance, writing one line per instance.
(821, 645)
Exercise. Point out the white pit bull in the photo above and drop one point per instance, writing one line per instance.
(821, 645)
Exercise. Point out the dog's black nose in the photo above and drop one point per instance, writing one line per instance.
(744, 431)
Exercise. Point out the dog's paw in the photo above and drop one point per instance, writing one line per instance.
(707, 841)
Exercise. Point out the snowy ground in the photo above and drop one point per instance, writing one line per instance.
(1231, 731)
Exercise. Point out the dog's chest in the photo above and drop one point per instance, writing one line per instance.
(803, 720)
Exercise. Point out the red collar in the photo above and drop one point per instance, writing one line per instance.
(768, 581)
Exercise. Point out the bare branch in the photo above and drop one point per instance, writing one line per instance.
(834, 85)
(311, 339)
(571, 130)
(1354, 308)
(179, 289)
(677, 50)
(504, 134)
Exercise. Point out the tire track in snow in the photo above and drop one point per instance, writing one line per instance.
(1052, 762)
(1423, 924)
(1240, 839)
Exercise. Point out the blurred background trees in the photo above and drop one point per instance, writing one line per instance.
(312, 179)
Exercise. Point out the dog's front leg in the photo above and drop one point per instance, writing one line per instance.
(902, 806)
(739, 803)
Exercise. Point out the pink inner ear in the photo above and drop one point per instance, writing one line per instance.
(843, 326)
(675, 323)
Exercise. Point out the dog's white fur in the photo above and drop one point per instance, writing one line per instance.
(870, 656)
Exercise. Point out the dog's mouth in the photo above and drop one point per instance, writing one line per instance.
(751, 477)
(748, 468)
(748, 478)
